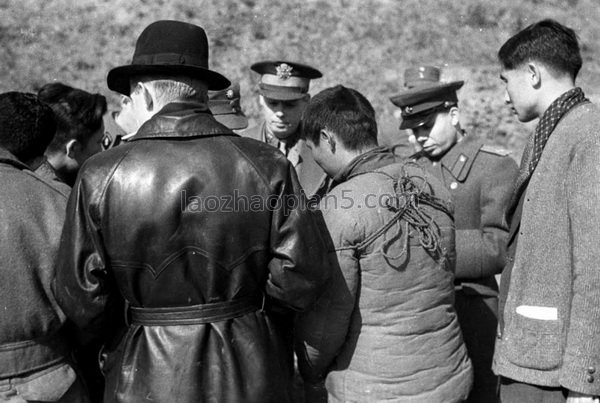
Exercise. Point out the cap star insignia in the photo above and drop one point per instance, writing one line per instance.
(408, 109)
(284, 71)
(229, 94)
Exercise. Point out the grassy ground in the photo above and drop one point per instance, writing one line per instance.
(364, 44)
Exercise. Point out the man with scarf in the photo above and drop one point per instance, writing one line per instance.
(548, 342)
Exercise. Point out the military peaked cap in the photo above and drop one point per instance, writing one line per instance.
(225, 107)
(424, 96)
(283, 80)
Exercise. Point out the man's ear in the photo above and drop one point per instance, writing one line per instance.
(454, 113)
(125, 101)
(535, 74)
(261, 101)
(72, 147)
(328, 138)
(146, 95)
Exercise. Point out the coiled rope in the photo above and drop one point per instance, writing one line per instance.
(407, 204)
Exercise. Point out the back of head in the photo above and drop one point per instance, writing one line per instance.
(27, 125)
(173, 88)
(547, 42)
(79, 114)
(344, 111)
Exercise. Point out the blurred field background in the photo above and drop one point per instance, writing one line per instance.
(363, 44)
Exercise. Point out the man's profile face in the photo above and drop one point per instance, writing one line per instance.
(323, 156)
(136, 109)
(519, 92)
(282, 117)
(91, 146)
(125, 118)
(437, 136)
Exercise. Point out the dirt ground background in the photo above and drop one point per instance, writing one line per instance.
(363, 44)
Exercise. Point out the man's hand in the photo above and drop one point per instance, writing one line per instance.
(576, 397)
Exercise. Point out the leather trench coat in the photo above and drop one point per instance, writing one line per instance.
(174, 224)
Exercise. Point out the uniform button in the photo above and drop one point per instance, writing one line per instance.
(590, 379)
(591, 370)
(453, 185)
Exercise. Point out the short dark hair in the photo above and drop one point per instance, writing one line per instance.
(27, 125)
(547, 42)
(78, 113)
(344, 111)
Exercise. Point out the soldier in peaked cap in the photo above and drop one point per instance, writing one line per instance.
(162, 224)
(283, 89)
(225, 107)
(480, 180)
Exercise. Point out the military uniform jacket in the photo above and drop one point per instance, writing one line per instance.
(480, 180)
(309, 172)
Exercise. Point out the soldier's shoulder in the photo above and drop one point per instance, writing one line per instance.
(493, 150)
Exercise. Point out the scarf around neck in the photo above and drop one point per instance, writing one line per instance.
(533, 151)
(549, 120)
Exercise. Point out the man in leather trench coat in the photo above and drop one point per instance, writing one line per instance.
(480, 180)
(200, 232)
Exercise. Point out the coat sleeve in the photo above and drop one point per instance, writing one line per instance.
(581, 360)
(82, 286)
(300, 263)
(322, 331)
(481, 252)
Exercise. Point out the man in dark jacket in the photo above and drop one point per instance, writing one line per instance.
(283, 96)
(480, 180)
(200, 232)
(34, 349)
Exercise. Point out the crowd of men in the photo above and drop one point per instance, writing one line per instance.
(166, 252)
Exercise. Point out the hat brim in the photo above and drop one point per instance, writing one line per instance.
(270, 67)
(118, 78)
(232, 121)
(413, 123)
(415, 94)
(281, 95)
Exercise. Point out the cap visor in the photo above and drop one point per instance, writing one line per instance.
(413, 123)
(282, 95)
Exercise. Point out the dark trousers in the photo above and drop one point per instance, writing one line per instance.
(477, 317)
(517, 392)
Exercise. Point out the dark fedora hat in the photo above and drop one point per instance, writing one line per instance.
(424, 95)
(168, 47)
